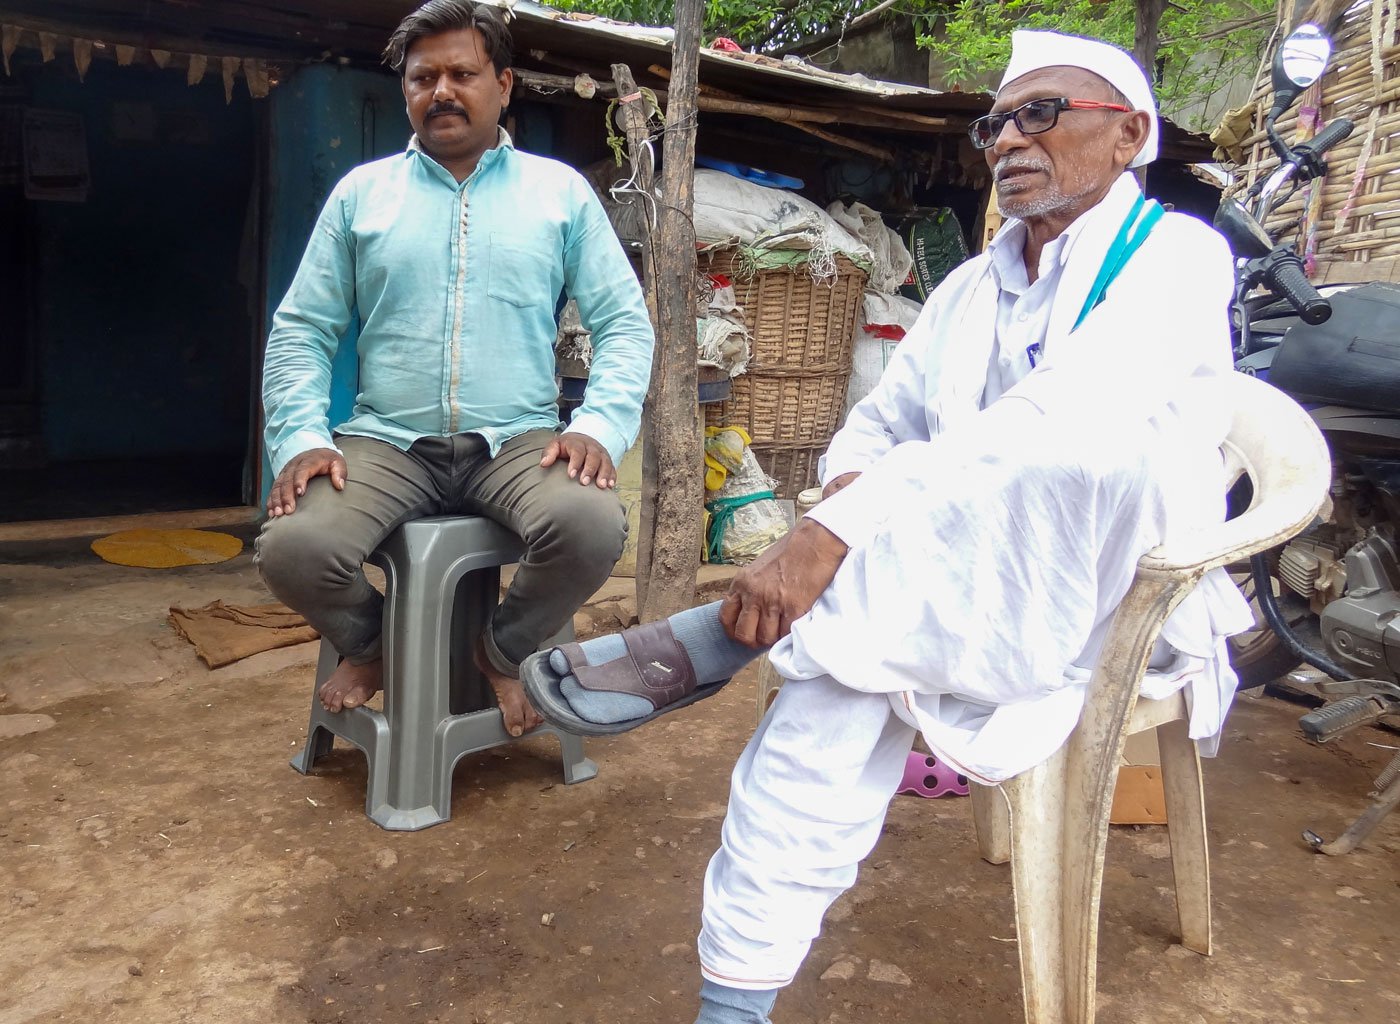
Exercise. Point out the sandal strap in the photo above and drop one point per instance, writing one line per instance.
(656, 667)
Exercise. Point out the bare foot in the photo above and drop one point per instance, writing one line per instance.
(351, 685)
(517, 712)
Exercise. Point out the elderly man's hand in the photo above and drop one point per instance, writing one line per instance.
(781, 585)
(840, 483)
(589, 461)
(291, 482)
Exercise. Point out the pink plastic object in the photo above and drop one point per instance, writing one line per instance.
(926, 776)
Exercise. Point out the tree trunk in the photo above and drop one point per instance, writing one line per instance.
(668, 550)
(1145, 38)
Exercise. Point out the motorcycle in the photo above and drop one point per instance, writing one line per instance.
(1330, 598)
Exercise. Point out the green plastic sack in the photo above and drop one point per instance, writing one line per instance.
(935, 241)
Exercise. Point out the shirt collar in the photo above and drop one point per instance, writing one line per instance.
(503, 143)
(1009, 265)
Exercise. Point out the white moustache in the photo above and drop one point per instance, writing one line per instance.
(1007, 166)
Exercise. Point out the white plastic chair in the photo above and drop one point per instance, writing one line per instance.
(1051, 823)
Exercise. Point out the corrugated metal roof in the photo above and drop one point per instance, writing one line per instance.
(357, 30)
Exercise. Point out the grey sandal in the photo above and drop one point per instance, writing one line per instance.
(656, 667)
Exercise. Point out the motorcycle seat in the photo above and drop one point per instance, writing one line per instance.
(1351, 360)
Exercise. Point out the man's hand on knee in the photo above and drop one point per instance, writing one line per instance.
(782, 585)
(589, 461)
(291, 482)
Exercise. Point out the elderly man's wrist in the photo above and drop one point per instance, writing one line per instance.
(820, 541)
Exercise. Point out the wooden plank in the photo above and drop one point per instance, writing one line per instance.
(785, 113)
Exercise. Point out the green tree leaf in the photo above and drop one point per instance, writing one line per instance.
(1205, 44)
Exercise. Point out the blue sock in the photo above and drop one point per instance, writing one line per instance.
(720, 1004)
(713, 654)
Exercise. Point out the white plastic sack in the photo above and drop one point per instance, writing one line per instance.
(892, 259)
(730, 210)
(889, 309)
(872, 353)
(755, 525)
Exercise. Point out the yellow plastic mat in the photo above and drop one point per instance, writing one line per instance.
(166, 549)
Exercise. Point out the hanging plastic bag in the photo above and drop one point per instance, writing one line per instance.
(745, 517)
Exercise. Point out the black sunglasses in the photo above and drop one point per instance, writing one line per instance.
(1032, 118)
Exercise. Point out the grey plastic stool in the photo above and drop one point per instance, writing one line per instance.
(443, 576)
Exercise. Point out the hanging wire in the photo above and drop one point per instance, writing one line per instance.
(632, 187)
(688, 123)
(623, 190)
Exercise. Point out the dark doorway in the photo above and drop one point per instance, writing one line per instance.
(126, 306)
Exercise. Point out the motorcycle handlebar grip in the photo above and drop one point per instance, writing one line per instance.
(1287, 279)
(1334, 133)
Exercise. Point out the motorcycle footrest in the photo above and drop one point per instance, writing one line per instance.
(1331, 720)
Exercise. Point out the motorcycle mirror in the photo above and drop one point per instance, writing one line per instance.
(1299, 62)
(1247, 239)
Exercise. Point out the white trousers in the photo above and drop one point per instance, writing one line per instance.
(806, 803)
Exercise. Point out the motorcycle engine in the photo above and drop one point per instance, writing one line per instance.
(1362, 628)
(1312, 566)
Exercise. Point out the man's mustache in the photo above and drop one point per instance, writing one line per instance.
(1010, 165)
(445, 108)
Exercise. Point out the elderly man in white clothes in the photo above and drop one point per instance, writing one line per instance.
(1056, 412)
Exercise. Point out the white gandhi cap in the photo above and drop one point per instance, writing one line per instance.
(1034, 51)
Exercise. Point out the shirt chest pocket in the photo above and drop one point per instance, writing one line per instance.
(522, 273)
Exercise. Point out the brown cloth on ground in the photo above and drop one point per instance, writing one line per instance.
(225, 633)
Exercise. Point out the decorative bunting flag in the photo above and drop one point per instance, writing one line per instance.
(9, 40)
(260, 75)
(82, 56)
(259, 82)
(230, 72)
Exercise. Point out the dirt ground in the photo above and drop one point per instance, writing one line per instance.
(159, 860)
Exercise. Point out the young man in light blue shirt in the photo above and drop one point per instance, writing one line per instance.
(455, 255)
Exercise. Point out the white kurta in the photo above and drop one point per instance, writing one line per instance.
(992, 541)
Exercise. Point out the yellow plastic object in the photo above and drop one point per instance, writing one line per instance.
(724, 453)
(166, 549)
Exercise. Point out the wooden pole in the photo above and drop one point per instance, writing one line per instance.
(1148, 21)
(673, 487)
(634, 119)
(668, 550)
(894, 120)
(786, 113)
(906, 116)
(877, 152)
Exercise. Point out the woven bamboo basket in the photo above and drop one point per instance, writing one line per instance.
(1353, 215)
(791, 398)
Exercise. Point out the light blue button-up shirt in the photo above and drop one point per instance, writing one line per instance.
(456, 286)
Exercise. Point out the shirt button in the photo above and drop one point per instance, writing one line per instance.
(1022, 317)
